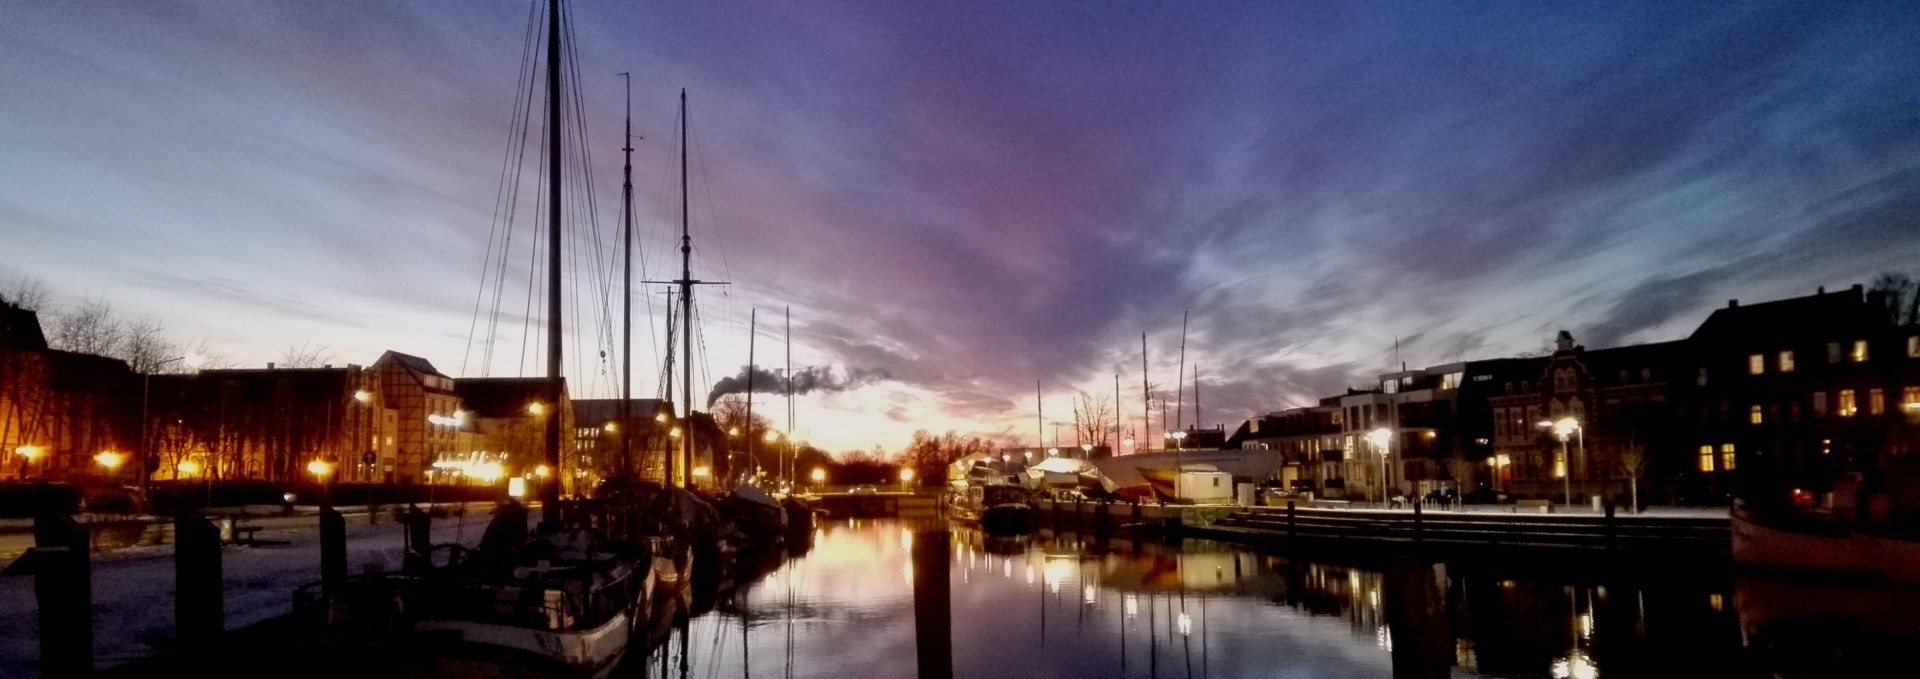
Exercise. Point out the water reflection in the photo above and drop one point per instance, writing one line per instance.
(1067, 606)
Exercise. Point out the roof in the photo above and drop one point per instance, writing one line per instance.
(76, 372)
(502, 397)
(1822, 311)
(413, 363)
(20, 329)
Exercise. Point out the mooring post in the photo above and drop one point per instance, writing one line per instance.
(1416, 522)
(1610, 528)
(63, 588)
(932, 603)
(333, 553)
(199, 604)
(1290, 525)
(419, 540)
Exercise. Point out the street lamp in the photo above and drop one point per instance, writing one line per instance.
(819, 475)
(31, 453)
(111, 460)
(1086, 450)
(1381, 438)
(906, 476)
(1563, 429)
(1179, 440)
(321, 469)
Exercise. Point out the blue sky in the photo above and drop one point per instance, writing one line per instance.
(971, 197)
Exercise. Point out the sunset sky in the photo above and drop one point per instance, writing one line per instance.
(960, 199)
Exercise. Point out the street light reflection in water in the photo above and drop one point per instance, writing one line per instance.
(1122, 609)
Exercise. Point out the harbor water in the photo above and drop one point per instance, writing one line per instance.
(1064, 605)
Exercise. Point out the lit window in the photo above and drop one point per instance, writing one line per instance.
(1786, 361)
(1913, 346)
(1847, 404)
(1757, 364)
(1702, 379)
(1876, 402)
(1706, 458)
(1726, 457)
(1754, 415)
(1390, 386)
(1910, 397)
(1833, 352)
(1450, 381)
(1819, 404)
(1859, 354)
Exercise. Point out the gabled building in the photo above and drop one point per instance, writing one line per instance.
(24, 398)
(426, 410)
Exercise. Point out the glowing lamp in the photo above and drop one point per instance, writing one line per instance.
(535, 408)
(320, 469)
(110, 459)
(819, 475)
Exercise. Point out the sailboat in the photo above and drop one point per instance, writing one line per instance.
(561, 602)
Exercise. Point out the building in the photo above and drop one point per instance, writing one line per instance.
(504, 423)
(24, 397)
(1618, 409)
(599, 432)
(426, 411)
(268, 424)
(1308, 439)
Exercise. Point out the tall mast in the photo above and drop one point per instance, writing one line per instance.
(752, 333)
(1180, 390)
(1039, 417)
(626, 296)
(1116, 416)
(1146, 398)
(787, 461)
(686, 311)
(1196, 396)
(550, 493)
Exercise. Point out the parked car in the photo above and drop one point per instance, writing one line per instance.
(863, 490)
(1486, 496)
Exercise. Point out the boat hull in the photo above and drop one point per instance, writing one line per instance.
(466, 648)
(1009, 519)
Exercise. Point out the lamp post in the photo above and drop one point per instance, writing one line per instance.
(1086, 451)
(1563, 429)
(1381, 438)
(1179, 440)
(321, 469)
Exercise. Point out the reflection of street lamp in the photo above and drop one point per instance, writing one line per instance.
(1381, 439)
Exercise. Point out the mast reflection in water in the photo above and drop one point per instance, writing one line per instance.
(1058, 606)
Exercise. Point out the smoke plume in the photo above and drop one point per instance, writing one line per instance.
(805, 381)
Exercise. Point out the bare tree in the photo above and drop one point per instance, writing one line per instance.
(1902, 297)
(26, 292)
(305, 355)
(90, 327)
(1092, 418)
(145, 347)
(1631, 461)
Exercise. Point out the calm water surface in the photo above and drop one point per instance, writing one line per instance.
(1058, 606)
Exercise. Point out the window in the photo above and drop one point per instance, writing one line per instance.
(1390, 386)
(1859, 354)
(1876, 402)
(1754, 415)
(1646, 374)
(1757, 364)
(1833, 352)
(1726, 457)
(1702, 379)
(1706, 459)
(1909, 397)
(1489, 378)
(1913, 346)
(1819, 404)
(1786, 361)
(1847, 405)
(1450, 381)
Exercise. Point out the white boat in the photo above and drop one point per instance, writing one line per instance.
(1810, 546)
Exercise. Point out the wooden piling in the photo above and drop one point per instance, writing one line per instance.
(63, 589)
(199, 604)
(333, 552)
(932, 604)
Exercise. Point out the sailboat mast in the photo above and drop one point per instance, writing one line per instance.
(789, 462)
(686, 310)
(1146, 398)
(1196, 395)
(1039, 417)
(550, 493)
(753, 316)
(1180, 390)
(626, 296)
(1116, 415)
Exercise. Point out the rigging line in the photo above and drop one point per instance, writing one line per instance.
(535, 281)
(516, 149)
(602, 265)
(713, 218)
(500, 193)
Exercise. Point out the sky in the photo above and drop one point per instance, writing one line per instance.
(961, 202)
